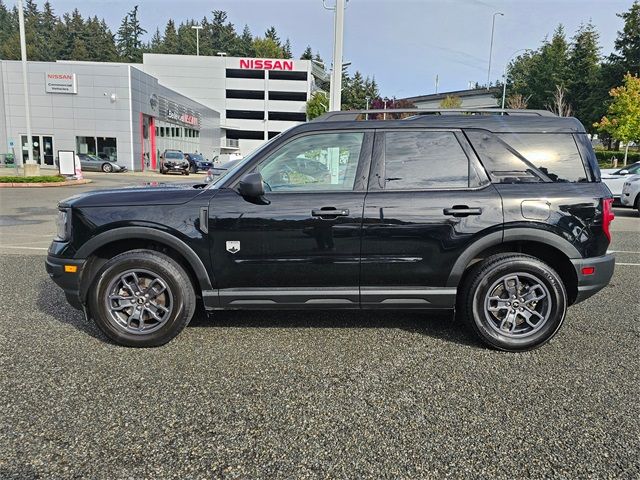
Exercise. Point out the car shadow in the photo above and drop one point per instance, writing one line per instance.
(626, 212)
(438, 324)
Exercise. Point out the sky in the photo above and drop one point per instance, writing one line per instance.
(404, 44)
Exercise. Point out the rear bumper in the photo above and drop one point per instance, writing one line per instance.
(589, 285)
(68, 281)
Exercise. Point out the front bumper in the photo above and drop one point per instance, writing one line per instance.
(68, 281)
(589, 285)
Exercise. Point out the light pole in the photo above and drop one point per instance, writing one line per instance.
(504, 75)
(31, 167)
(493, 28)
(197, 28)
(335, 98)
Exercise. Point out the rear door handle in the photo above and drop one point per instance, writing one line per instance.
(462, 211)
(203, 220)
(330, 212)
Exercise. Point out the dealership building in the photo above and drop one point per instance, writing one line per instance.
(131, 113)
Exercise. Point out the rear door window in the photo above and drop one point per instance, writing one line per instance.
(417, 160)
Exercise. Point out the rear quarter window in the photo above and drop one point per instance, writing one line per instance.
(529, 157)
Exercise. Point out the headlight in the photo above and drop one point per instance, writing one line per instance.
(63, 226)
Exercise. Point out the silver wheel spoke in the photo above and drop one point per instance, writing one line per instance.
(122, 302)
(155, 288)
(133, 287)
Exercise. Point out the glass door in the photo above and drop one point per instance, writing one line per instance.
(47, 150)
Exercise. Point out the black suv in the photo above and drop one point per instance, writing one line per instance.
(500, 215)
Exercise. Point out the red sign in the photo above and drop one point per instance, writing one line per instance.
(190, 119)
(250, 63)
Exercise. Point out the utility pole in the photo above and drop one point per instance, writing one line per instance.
(335, 98)
(31, 167)
(493, 28)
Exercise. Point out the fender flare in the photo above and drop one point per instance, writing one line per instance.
(147, 233)
(510, 234)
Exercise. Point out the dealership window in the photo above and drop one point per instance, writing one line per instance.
(156, 131)
(107, 148)
(288, 96)
(241, 73)
(273, 134)
(245, 134)
(246, 114)
(86, 145)
(288, 116)
(285, 75)
(246, 94)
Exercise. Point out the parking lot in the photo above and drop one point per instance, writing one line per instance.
(307, 395)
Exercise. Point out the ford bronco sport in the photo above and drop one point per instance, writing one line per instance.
(500, 215)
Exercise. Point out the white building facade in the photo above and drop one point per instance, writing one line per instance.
(257, 97)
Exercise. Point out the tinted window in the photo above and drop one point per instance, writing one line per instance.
(555, 155)
(288, 116)
(246, 94)
(241, 73)
(173, 155)
(246, 114)
(290, 96)
(424, 160)
(326, 161)
(282, 75)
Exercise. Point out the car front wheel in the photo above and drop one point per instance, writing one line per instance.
(513, 302)
(107, 168)
(142, 298)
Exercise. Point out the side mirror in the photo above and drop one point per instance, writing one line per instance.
(251, 188)
(623, 172)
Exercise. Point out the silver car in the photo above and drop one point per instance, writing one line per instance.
(94, 163)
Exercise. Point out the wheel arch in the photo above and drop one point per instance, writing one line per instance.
(541, 244)
(105, 245)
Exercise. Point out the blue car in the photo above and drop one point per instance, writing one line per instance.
(197, 162)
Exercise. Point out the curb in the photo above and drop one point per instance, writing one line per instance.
(68, 183)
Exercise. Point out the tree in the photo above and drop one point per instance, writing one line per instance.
(584, 76)
(307, 54)
(517, 101)
(451, 101)
(560, 106)
(170, 39)
(245, 43)
(267, 48)
(286, 49)
(317, 105)
(622, 121)
(129, 36)
(273, 35)
(387, 103)
(627, 45)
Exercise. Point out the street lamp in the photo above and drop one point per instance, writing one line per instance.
(504, 75)
(493, 28)
(197, 28)
(335, 99)
(31, 167)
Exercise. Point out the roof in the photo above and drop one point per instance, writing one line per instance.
(475, 92)
(514, 122)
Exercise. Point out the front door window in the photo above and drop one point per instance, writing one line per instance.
(326, 161)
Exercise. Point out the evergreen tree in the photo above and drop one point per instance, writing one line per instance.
(286, 49)
(155, 46)
(307, 54)
(267, 48)
(77, 48)
(584, 76)
(272, 35)
(245, 43)
(170, 41)
(129, 35)
(187, 38)
(627, 45)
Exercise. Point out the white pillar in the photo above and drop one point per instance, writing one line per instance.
(335, 99)
(25, 85)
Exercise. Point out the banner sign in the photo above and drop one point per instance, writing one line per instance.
(67, 162)
(60, 83)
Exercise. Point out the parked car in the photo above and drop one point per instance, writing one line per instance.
(614, 178)
(488, 214)
(215, 173)
(94, 163)
(631, 192)
(197, 162)
(173, 161)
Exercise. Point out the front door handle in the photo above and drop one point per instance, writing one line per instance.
(462, 211)
(330, 212)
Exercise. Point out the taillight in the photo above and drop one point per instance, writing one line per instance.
(607, 216)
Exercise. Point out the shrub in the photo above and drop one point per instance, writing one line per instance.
(39, 179)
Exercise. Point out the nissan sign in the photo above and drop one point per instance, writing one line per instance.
(60, 83)
(256, 64)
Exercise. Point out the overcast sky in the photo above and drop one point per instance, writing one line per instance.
(403, 43)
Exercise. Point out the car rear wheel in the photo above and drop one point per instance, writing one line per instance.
(142, 298)
(193, 169)
(513, 302)
(107, 168)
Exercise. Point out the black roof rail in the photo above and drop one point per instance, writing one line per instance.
(346, 115)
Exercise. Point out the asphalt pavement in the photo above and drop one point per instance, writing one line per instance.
(308, 395)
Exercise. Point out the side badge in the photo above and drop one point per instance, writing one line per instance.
(233, 246)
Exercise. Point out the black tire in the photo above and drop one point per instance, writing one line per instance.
(107, 168)
(488, 278)
(179, 299)
(637, 204)
(193, 169)
(185, 172)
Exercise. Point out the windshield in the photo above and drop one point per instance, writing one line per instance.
(196, 156)
(173, 155)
